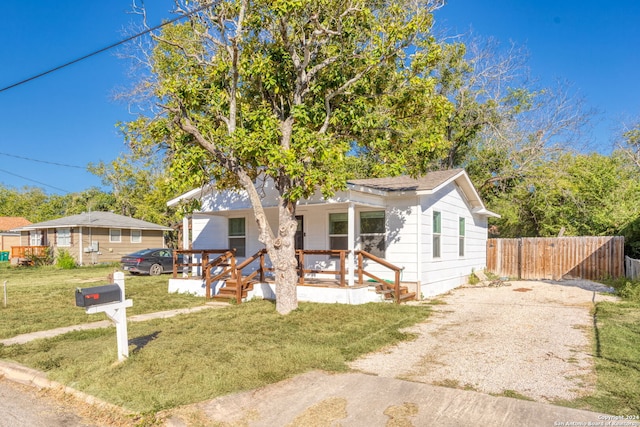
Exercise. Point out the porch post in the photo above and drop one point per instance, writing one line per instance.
(81, 246)
(351, 243)
(185, 232)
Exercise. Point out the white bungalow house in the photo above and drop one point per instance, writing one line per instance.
(434, 229)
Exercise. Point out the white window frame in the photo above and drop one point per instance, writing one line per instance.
(377, 235)
(462, 231)
(112, 235)
(437, 234)
(35, 238)
(343, 237)
(239, 237)
(63, 237)
(138, 236)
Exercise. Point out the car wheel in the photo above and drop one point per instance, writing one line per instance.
(155, 270)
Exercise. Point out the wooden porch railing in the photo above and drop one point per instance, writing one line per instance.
(385, 285)
(227, 261)
(28, 251)
(342, 272)
(243, 282)
(188, 256)
(233, 272)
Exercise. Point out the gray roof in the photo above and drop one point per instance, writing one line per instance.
(427, 182)
(96, 220)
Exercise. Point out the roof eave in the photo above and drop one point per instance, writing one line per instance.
(485, 212)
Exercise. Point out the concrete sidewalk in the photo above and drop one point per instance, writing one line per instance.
(355, 399)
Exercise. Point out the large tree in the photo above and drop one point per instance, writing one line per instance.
(578, 194)
(285, 89)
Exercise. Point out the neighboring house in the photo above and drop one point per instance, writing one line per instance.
(8, 237)
(434, 227)
(94, 237)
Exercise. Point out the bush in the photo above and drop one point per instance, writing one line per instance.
(630, 291)
(65, 260)
(45, 258)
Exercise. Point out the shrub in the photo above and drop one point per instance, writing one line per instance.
(630, 291)
(65, 260)
(45, 258)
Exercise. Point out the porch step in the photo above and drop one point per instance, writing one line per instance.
(228, 291)
(409, 296)
(388, 292)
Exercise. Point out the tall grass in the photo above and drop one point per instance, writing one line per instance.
(199, 356)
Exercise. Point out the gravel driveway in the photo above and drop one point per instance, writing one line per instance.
(533, 338)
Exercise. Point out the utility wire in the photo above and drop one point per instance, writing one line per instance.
(42, 161)
(177, 18)
(33, 180)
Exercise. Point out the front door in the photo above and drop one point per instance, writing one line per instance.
(299, 238)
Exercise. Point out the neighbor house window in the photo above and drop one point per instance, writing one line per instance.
(372, 232)
(237, 236)
(136, 236)
(461, 234)
(63, 237)
(338, 231)
(115, 235)
(35, 238)
(437, 230)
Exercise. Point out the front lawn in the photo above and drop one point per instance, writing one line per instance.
(617, 358)
(40, 298)
(617, 353)
(199, 356)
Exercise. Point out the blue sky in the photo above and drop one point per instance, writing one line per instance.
(69, 117)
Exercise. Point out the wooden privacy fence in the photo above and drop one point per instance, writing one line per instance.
(632, 268)
(555, 258)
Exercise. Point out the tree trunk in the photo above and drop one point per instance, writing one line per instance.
(283, 257)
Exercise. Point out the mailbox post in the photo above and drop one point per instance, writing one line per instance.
(109, 299)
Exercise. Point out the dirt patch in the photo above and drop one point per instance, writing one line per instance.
(535, 342)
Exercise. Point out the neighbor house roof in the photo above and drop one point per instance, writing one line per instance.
(97, 220)
(10, 222)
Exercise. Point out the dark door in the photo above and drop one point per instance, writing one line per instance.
(299, 238)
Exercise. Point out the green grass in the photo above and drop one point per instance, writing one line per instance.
(40, 298)
(616, 353)
(199, 356)
(617, 359)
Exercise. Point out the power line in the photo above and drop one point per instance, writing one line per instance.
(33, 180)
(42, 161)
(21, 82)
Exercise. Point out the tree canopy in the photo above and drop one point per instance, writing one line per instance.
(286, 89)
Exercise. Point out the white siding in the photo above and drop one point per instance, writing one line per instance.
(402, 238)
(450, 270)
(409, 222)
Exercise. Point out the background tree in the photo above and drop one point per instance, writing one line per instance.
(283, 89)
(582, 194)
(139, 186)
(35, 205)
